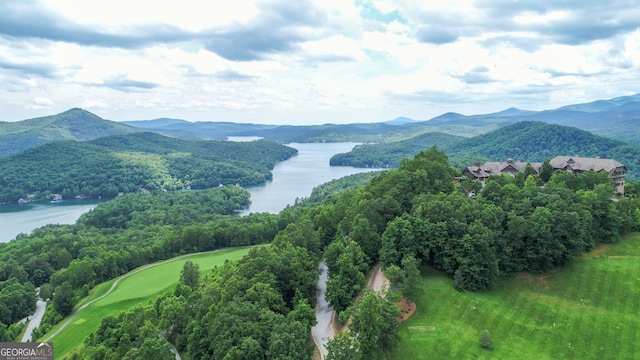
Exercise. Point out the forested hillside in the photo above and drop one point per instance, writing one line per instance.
(527, 141)
(389, 154)
(537, 141)
(107, 166)
(74, 124)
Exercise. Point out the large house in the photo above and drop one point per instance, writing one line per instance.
(573, 164)
(483, 171)
(577, 165)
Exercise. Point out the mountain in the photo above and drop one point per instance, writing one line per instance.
(400, 121)
(206, 130)
(615, 118)
(73, 124)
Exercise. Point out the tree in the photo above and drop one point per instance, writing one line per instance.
(346, 276)
(375, 324)
(411, 286)
(63, 300)
(190, 274)
(546, 170)
(343, 347)
(485, 340)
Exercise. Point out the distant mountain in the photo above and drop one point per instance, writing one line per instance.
(400, 121)
(615, 118)
(206, 130)
(74, 124)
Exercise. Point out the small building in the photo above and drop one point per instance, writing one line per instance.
(577, 165)
(483, 171)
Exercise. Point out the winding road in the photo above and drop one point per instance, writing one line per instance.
(34, 320)
(323, 331)
(325, 316)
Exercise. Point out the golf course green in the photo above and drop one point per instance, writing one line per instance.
(131, 289)
(587, 310)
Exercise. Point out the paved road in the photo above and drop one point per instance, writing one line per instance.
(35, 320)
(323, 331)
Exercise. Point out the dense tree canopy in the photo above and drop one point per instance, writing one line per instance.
(107, 166)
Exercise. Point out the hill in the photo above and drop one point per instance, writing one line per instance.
(73, 124)
(526, 141)
(387, 155)
(538, 141)
(107, 166)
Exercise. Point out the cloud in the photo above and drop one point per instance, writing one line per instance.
(24, 21)
(436, 35)
(123, 83)
(232, 75)
(40, 103)
(280, 27)
(42, 70)
(479, 75)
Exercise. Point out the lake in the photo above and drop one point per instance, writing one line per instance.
(296, 177)
(292, 178)
(23, 218)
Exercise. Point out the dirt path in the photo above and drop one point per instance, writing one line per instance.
(378, 282)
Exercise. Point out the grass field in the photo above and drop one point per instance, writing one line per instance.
(137, 288)
(588, 310)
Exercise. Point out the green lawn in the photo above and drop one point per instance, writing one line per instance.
(137, 288)
(588, 310)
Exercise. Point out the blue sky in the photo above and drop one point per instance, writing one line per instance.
(312, 61)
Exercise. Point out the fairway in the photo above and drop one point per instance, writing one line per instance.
(587, 310)
(135, 288)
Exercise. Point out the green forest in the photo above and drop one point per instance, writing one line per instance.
(528, 141)
(107, 166)
(262, 306)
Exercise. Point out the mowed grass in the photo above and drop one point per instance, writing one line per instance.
(136, 288)
(587, 310)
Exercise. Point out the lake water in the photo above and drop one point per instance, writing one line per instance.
(23, 218)
(296, 177)
(292, 178)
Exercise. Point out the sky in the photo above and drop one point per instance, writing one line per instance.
(312, 61)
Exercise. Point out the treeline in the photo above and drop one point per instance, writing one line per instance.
(111, 165)
(118, 236)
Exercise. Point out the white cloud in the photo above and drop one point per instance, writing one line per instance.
(278, 61)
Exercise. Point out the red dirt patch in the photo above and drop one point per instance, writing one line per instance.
(407, 309)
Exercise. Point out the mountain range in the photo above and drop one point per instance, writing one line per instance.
(616, 118)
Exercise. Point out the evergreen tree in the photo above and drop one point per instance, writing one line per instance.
(485, 340)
